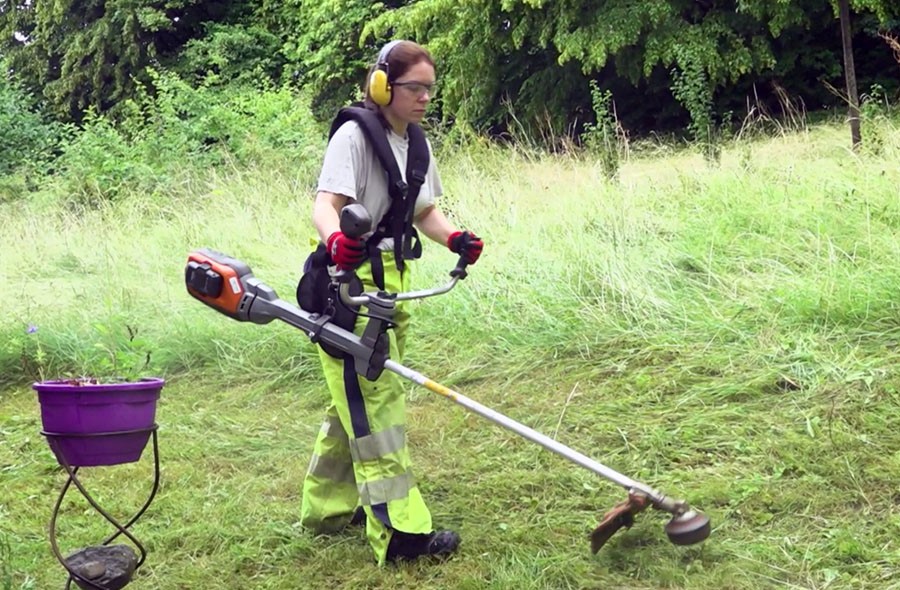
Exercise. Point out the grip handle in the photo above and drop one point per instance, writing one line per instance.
(355, 221)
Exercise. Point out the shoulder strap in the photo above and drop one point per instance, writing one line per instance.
(418, 160)
(373, 129)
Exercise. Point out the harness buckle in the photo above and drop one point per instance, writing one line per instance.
(401, 188)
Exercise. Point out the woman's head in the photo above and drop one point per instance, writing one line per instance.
(401, 83)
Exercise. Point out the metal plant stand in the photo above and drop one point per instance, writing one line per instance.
(104, 566)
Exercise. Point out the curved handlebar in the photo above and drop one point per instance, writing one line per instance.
(457, 274)
(356, 222)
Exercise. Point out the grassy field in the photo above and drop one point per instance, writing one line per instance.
(727, 333)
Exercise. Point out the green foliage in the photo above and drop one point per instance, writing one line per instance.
(120, 355)
(877, 123)
(603, 137)
(493, 60)
(98, 163)
(94, 50)
(511, 56)
(22, 352)
(505, 64)
(231, 54)
(159, 139)
(525, 42)
(212, 123)
(44, 352)
(93, 54)
(324, 50)
(26, 139)
(885, 10)
(691, 87)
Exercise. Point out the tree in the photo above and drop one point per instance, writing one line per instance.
(536, 58)
(884, 10)
(324, 48)
(540, 53)
(501, 62)
(78, 54)
(26, 140)
(850, 72)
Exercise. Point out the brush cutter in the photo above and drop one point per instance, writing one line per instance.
(228, 286)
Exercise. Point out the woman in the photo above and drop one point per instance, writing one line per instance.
(360, 469)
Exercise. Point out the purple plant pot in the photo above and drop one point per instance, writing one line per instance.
(122, 413)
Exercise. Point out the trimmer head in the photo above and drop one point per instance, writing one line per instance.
(688, 528)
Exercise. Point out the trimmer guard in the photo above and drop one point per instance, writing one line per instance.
(621, 515)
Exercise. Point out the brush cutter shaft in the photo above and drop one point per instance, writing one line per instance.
(660, 501)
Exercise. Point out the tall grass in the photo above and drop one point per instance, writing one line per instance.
(725, 333)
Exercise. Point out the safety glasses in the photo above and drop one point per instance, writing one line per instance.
(418, 89)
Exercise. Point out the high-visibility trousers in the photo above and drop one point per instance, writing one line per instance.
(360, 456)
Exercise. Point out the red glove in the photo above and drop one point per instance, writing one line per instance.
(467, 244)
(346, 252)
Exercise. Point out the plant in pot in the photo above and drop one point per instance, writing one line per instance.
(104, 417)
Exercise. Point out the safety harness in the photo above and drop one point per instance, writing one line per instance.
(316, 292)
(398, 221)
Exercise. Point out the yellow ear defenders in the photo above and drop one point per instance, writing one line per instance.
(379, 85)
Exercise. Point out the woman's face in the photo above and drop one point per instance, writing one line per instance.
(412, 92)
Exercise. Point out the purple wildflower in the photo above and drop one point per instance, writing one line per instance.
(31, 329)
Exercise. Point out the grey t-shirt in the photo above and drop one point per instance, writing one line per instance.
(351, 168)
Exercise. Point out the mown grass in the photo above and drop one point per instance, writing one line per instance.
(727, 334)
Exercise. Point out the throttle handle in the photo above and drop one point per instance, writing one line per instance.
(460, 270)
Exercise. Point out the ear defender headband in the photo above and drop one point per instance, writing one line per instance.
(379, 83)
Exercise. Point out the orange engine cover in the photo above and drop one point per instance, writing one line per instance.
(217, 280)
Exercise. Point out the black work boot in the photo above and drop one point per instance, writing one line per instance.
(409, 546)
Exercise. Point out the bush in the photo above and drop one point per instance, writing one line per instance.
(26, 140)
(605, 138)
(159, 142)
(99, 162)
(230, 54)
(245, 123)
